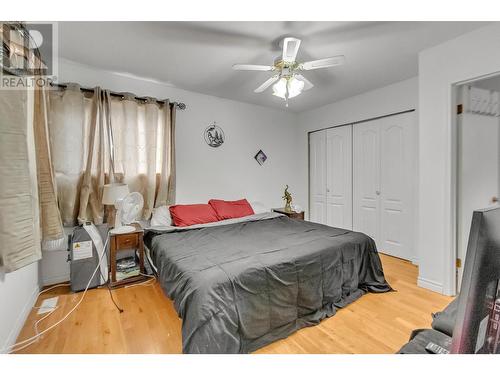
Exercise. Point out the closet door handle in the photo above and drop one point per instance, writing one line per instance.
(377, 192)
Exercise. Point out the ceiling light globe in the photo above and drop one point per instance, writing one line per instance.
(279, 88)
(295, 87)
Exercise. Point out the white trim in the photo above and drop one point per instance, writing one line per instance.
(429, 284)
(449, 287)
(450, 281)
(479, 78)
(21, 319)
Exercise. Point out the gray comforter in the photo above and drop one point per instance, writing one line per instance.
(240, 286)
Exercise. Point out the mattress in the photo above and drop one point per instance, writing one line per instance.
(243, 284)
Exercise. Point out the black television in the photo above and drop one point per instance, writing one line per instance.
(477, 328)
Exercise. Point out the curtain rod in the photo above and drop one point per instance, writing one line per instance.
(180, 106)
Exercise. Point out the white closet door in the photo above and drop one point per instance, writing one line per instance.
(396, 185)
(339, 177)
(317, 178)
(384, 175)
(366, 176)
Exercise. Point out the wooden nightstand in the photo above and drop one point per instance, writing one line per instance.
(126, 241)
(290, 214)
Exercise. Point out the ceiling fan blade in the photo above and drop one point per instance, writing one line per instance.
(290, 49)
(323, 63)
(266, 84)
(263, 68)
(307, 84)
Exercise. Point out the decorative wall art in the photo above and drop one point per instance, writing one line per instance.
(214, 135)
(260, 157)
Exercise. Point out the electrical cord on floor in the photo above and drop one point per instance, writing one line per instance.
(43, 318)
(111, 293)
(25, 343)
(151, 281)
(46, 290)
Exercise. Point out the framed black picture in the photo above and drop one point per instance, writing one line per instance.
(214, 135)
(260, 157)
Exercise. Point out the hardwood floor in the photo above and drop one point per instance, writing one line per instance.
(376, 323)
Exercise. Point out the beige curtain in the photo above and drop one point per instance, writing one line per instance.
(98, 157)
(19, 219)
(80, 147)
(69, 128)
(166, 189)
(98, 139)
(143, 139)
(27, 188)
(50, 217)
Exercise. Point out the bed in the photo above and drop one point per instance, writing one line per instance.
(243, 283)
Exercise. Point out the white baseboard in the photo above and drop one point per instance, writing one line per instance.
(430, 284)
(21, 319)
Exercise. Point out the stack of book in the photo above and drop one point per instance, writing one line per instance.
(127, 267)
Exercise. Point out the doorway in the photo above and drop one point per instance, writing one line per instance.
(478, 156)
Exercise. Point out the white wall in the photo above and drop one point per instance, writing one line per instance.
(203, 172)
(394, 98)
(469, 56)
(18, 290)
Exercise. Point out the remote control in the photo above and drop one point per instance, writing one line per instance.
(436, 349)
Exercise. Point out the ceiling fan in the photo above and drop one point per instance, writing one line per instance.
(288, 82)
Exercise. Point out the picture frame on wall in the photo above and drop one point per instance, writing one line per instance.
(261, 157)
(214, 135)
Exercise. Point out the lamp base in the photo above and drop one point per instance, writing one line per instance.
(122, 229)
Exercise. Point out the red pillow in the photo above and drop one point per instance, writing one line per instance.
(231, 209)
(184, 215)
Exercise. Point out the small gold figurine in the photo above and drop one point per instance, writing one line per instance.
(288, 199)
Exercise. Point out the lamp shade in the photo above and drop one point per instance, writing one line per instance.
(114, 192)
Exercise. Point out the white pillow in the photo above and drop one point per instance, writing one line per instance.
(259, 208)
(161, 217)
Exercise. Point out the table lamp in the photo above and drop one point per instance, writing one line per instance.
(113, 194)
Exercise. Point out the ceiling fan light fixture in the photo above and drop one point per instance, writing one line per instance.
(288, 82)
(279, 88)
(295, 87)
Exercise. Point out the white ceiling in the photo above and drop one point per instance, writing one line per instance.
(198, 56)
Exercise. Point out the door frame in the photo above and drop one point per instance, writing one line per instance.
(451, 256)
